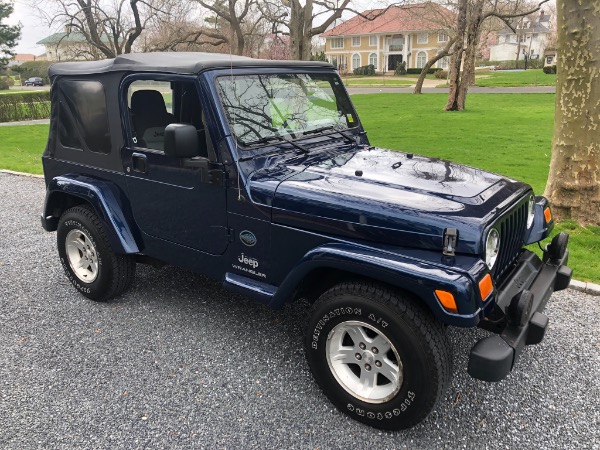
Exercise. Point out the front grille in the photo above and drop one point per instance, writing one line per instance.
(511, 227)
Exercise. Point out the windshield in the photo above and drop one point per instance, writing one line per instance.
(261, 108)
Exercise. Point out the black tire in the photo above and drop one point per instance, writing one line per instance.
(114, 274)
(419, 341)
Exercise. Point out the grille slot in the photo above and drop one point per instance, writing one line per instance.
(511, 228)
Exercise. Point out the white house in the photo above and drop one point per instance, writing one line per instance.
(530, 39)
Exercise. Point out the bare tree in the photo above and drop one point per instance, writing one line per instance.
(110, 27)
(232, 22)
(470, 18)
(574, 179)
(299, 20)
(444, 53)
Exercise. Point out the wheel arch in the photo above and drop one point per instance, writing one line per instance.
(330, 264)
(65, 192)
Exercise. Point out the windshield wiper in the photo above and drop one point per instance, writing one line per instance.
(331, 128)
(276, 138)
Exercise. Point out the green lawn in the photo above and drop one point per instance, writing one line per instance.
(530, 77)
(509, 134)
(22, 147)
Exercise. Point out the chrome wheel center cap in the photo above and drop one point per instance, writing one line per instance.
(368, 357)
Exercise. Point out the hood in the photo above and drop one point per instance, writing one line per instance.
(390, 197)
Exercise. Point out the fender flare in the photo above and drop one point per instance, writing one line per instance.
(419, 277)
(101, 196)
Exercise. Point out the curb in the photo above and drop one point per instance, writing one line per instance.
(576, 285)
(587, 288)
(21, 174)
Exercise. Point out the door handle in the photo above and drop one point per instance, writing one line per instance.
(139, 162)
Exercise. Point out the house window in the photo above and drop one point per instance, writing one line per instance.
(421, 60)
(443, 63)
(337, 42)
(355, 41)
(549, 59)
(535, 35)
(507, 39)
(522, 38)
(355, 61)
(422, 38)
(396, 43)
(443, 36)
(373, 59)
(372, 41)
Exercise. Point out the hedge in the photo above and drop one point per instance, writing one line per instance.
(415, 71)
(550, 69)
(24, 106)
(365, 70)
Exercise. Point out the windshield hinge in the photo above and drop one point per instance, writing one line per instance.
(450, 239)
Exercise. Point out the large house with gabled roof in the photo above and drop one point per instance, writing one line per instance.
(69, 45)
(385, 37)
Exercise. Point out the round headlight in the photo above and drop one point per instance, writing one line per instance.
(530, 211)
(492, 246)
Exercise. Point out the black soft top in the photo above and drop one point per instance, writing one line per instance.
(173, 62)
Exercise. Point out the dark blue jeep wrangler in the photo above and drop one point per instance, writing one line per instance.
(259, 174)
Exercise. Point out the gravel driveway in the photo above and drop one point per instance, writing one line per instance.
(180, 363)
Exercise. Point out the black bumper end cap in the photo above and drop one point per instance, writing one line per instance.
(537, 329)
(49, 223)
(491, 359)
(563, 278)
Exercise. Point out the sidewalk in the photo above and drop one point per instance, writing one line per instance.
(25, 122)
(472, 90)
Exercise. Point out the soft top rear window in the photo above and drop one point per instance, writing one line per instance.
(83, 111)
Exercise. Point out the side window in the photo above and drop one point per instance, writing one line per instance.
(150, 106)
(154, 104)
(83, 118)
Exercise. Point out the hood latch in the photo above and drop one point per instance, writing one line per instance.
(450, 239)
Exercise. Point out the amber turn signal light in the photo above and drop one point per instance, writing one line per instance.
(486, 286)
(548, 214)
(447, 300)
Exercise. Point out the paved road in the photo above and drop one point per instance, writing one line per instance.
(473, 90)
(180, 363)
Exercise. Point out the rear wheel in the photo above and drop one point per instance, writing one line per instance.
(378, 356)
(87, 257)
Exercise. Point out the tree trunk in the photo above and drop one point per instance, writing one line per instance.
(574, 179)
(455, 63)
(468, 74)
(430, 63)
(296, 26)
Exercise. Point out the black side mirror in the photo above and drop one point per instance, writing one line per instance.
(181, 141)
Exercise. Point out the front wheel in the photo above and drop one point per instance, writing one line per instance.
(87, 257)
(378, 356)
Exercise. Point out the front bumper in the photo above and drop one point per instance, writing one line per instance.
(518, 316)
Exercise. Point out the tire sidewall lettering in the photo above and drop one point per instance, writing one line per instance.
(334, 313)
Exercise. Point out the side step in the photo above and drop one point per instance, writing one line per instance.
(248, 287)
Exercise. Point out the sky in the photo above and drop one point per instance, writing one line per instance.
(34, 29)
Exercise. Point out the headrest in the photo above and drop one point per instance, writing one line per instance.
(147, 102)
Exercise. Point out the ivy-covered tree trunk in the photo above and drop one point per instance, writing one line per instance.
(574, 179)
